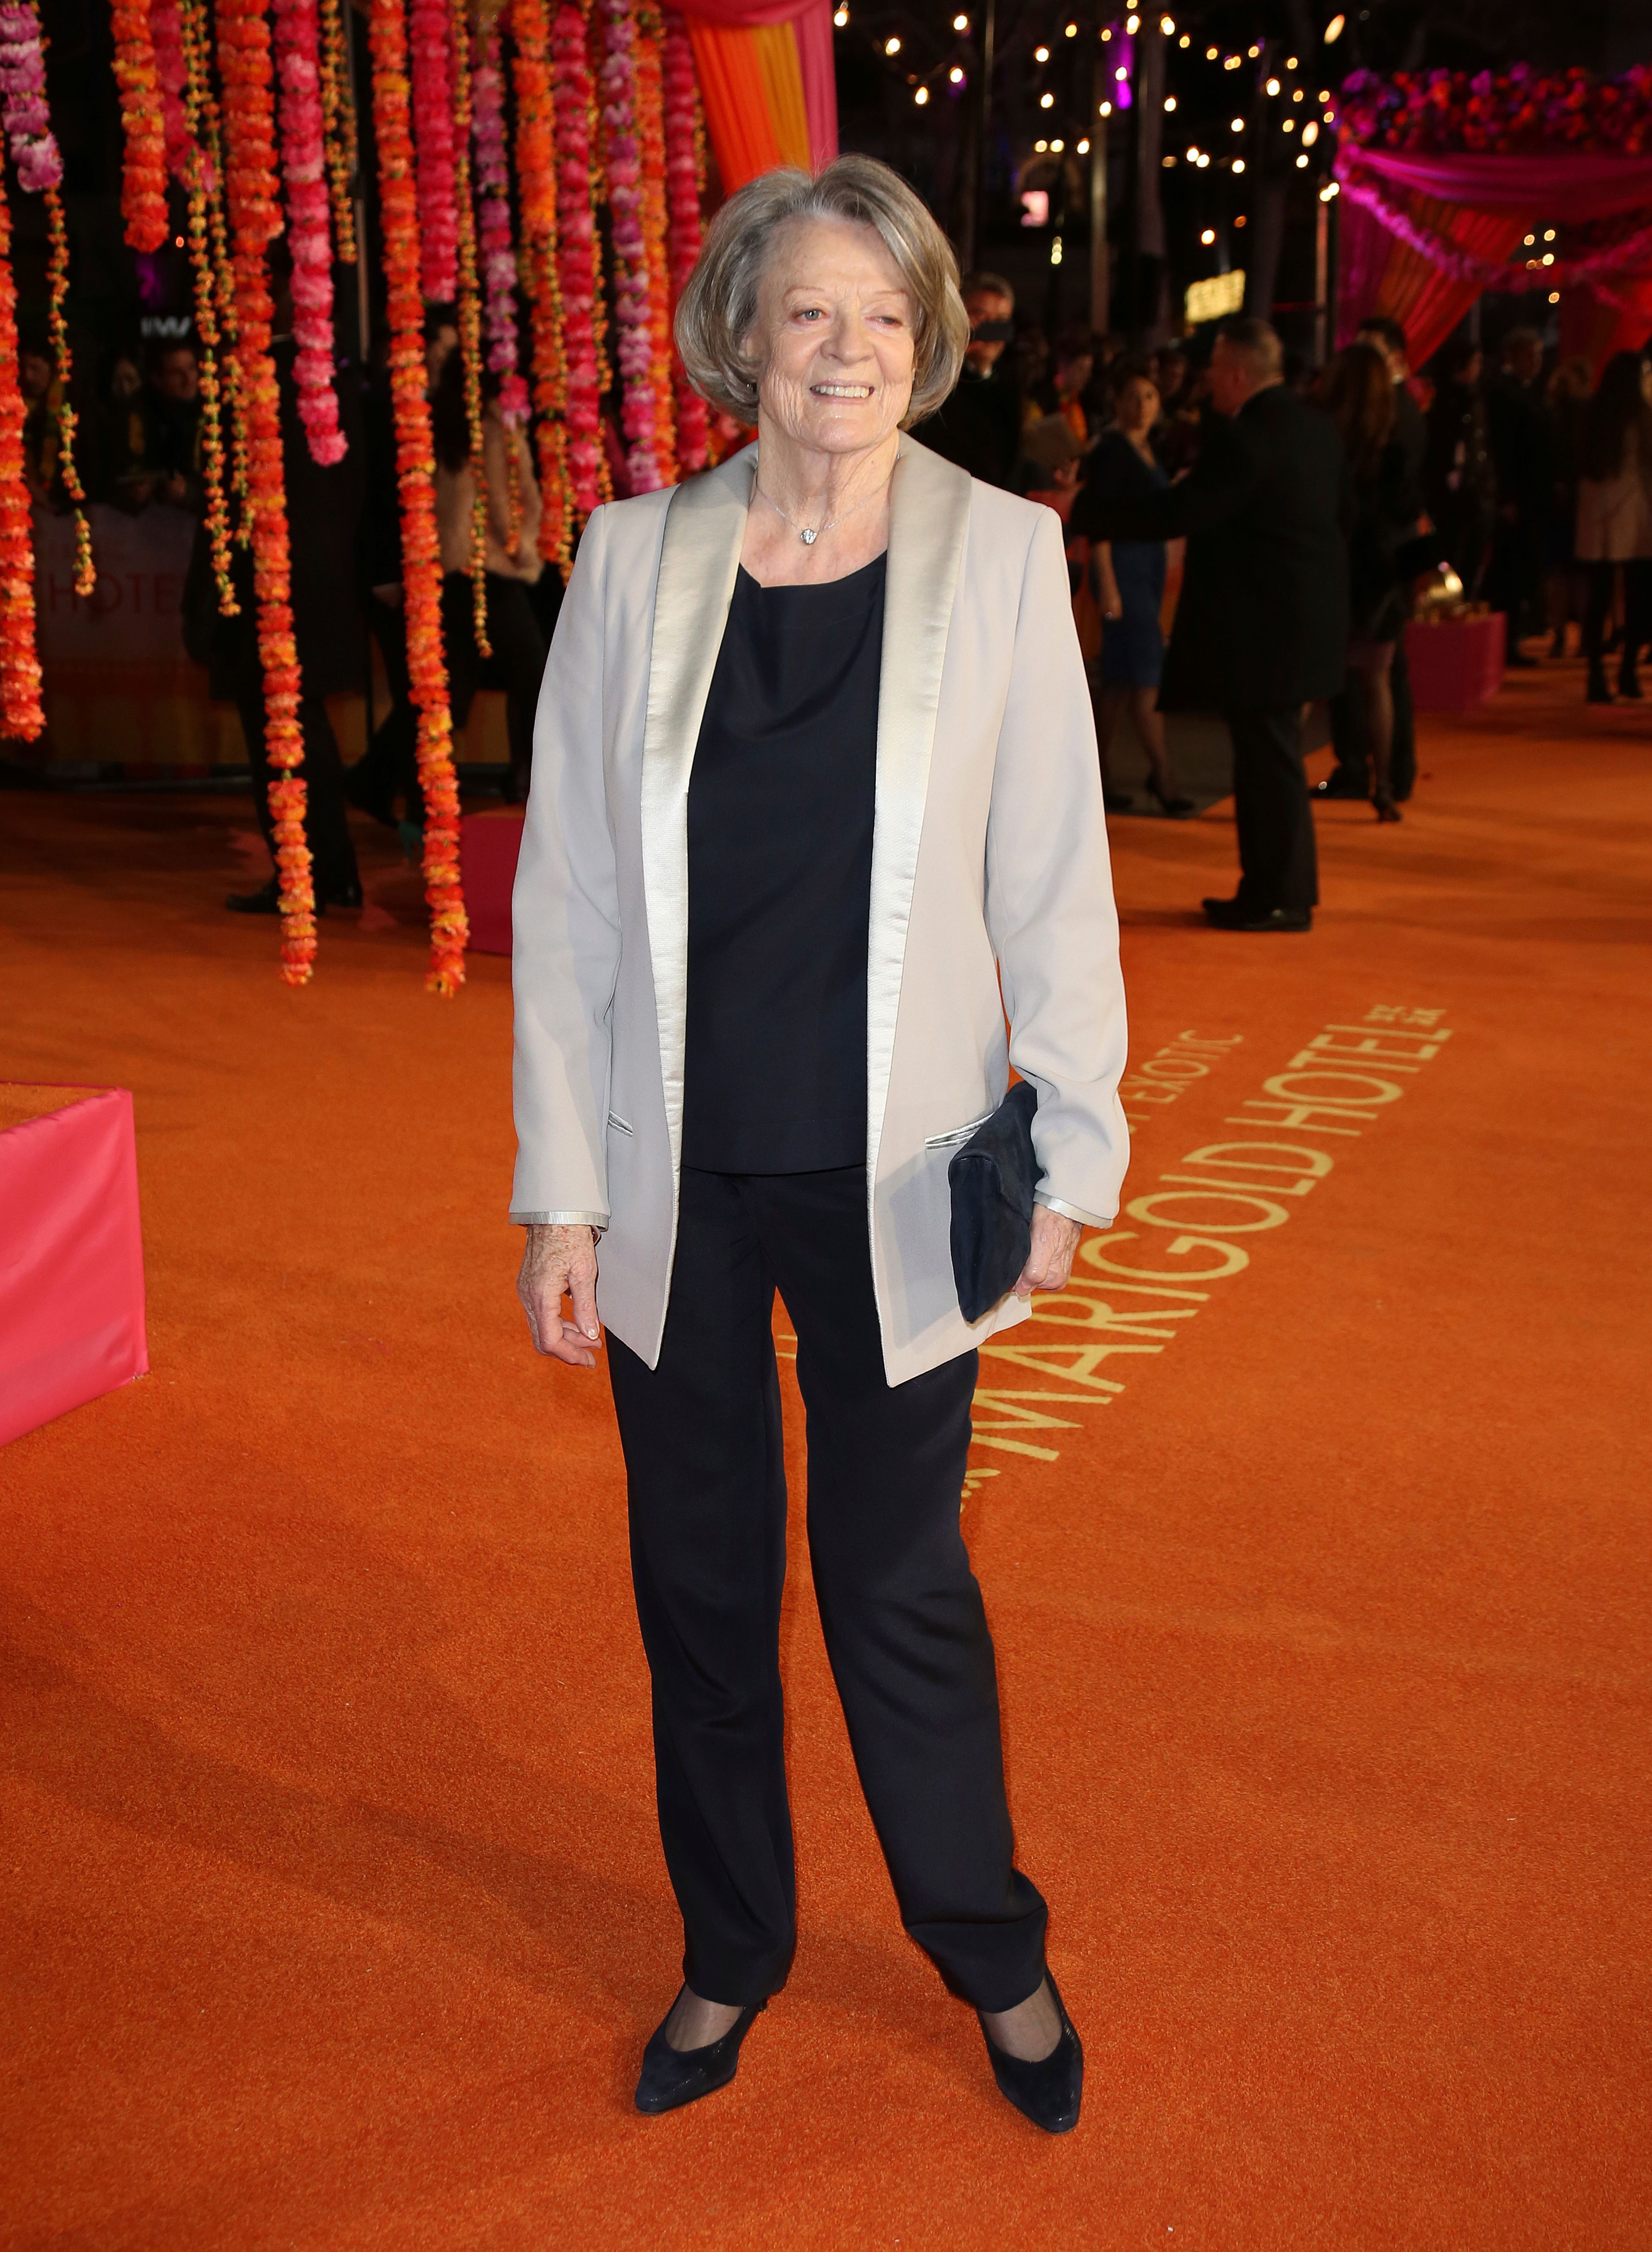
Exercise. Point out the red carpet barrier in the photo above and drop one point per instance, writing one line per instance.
(1457, 666)
(70, 1252)
(488, 843)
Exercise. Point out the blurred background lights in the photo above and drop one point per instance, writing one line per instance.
(1208, 237)
(1334, 29)
(922, 96)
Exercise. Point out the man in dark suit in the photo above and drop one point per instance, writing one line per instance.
(1351, 776)
(979, 427)
(1262, 627)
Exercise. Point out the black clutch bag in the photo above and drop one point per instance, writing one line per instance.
(992, 1179)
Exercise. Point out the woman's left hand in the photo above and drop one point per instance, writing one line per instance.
(1055, 1238)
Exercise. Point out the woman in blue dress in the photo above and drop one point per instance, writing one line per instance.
(1130, 587)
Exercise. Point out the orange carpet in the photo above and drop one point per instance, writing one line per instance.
(331, 1905)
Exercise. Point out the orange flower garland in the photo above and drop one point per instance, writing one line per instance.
(338, 125)
(537, 193)
(248, 72)
(143, 184)
(415, 475)
(651, 126)
(21, 716)
(86, 576)
(469, 318)
(199, 112)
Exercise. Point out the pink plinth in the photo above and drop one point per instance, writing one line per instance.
(488, 843)
(70, 1252)
(1457, 666)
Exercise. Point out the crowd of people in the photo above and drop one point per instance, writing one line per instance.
(1312, 518)
(1532, 484)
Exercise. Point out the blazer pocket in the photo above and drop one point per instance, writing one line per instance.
(956, 1133)
(620, 1125)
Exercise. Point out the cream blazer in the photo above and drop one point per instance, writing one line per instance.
(989, 878)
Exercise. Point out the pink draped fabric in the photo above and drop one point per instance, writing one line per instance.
(1457, 222)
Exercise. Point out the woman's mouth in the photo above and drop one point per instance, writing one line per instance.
(841, 390)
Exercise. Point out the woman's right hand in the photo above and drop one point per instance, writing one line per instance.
(560, 1262)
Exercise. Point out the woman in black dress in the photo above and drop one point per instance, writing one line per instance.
(1130, 590)
(1357, 393)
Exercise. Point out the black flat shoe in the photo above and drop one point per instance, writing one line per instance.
(1177, 808)
(1231, 915)
(671, 2077)
(267, 900)
(1049, 2092)
(1339, 784)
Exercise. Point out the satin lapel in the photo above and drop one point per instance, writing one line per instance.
(928, 519)
(705, 523)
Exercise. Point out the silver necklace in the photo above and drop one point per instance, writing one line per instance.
(808, 534)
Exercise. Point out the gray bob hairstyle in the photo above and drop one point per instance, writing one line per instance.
(716, 309)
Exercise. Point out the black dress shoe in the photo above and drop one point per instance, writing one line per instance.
(267, 900)
(671, 2077)
(1339, 784)
(1117, 801)
(1179, 808)
(1235, 914)
(1049, 2092)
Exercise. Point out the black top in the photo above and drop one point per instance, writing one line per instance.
(780, 830)
(1262, 620)
(979, 426)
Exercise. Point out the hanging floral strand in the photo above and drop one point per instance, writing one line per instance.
(197, 177)
(21, 716)
(415, 478)
(498, 251)
(633, 347)
(493, 204)
(650, 121)
(303, 167)
(143, 180)
(171, 67)
(682, 184)
(577, 256)
(434, 138)
(246, 68)
(470, 324)
(338, 125)
(537, 195)
(35, 152)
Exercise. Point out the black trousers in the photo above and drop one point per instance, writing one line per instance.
(901, 1611)
(518, 656)
(326, 824)
(1279, 867)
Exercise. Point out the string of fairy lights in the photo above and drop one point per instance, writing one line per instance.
(1281, 116)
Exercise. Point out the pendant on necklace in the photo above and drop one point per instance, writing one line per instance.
(808, 538)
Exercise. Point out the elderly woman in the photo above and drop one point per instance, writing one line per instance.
(815, 785)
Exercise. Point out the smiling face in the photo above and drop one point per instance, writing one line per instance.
(834, 336)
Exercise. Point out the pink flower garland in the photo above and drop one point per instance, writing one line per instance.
(433, 150)
(166, 28)
(576, 258)
(634, 349)
(28, 120)
(683, 205)
(305, 169)
(493, 204)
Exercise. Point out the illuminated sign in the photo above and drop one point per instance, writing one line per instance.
(1215, 297)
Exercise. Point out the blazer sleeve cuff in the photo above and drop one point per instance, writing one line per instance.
(1066, 1211)
(559, 1219)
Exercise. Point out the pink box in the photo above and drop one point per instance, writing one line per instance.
(1457, 666)
(70, 1252)
(488, 843)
